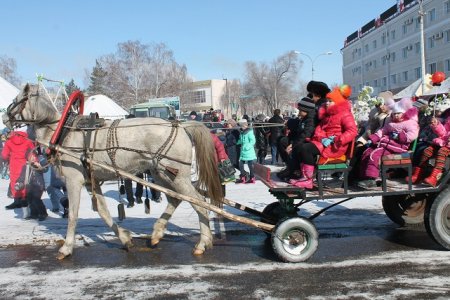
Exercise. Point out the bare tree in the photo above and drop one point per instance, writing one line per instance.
(8, 70)
(137, 72)
(272, 83)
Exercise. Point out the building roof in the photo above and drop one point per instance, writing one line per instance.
(104, 106)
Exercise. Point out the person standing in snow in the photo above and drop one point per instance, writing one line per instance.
(14, 151)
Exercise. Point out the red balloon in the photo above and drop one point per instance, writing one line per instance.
(438, 77)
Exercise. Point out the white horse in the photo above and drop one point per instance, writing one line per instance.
(134, 145)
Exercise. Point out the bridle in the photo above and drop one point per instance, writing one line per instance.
(21, 106)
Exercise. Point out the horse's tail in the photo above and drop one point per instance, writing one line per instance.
(205, 154)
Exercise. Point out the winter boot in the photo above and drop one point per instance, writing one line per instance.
(242, 179)
(284, 174)
(433, 178)
(307, 181)
(16, 204)
(299, 175)
(251, 180)
(417, 175)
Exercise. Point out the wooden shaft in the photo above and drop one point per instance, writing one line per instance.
(201, 203)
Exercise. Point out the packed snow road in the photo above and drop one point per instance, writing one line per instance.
(361, 254)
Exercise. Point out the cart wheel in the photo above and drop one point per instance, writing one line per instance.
(405, 209)
(295, 239)
(437, 219)
(272, 213)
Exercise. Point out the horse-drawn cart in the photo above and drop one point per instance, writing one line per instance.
(88, 156)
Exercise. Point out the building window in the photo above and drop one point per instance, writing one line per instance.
(447, 33)
(417, 22)
(359, 52)
(367, 67)
(405, 52)
(375, 83)
(366, 48)
(447, 7)
(384, 81)
(405, 76)
(374, 63)
(430, 42)
(431, 15)
(392, 56)
(432, 67)
(392, 34)
(394, 78)
(374, 44)
(418, 72)
(198, 97)
(405, 28)
(447, 65)
(383, 38)
(417, 47)
(383, 60)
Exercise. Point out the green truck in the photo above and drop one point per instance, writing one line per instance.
(157, 110)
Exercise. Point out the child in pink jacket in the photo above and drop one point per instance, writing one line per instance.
(394, 137)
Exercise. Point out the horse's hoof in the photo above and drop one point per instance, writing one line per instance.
(154, 242)
(129, 245)
(60, 256)
(198, 252)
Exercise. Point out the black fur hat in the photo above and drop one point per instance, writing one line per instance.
(318, 88)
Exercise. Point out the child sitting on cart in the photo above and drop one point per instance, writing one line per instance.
(393, 138)
(305, 127)
(439, 148)
(332, 136)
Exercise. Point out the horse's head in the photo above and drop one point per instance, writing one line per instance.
(29, 107)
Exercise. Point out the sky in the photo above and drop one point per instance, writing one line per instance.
(62, 39)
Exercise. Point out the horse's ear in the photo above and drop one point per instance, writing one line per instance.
(26, 89)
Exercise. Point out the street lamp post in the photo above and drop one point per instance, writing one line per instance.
(313, 60)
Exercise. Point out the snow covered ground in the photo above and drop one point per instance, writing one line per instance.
(194, 281)
(16, 231)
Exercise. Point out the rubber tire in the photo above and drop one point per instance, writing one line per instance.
(437, 218)
(394, 209)
(286, 252)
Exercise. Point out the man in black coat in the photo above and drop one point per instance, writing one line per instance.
(275, 133)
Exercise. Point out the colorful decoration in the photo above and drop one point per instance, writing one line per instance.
(365, 103)
(437, 77)
(345, 90)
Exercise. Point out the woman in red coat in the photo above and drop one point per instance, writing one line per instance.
(14, 151)
(332, 136)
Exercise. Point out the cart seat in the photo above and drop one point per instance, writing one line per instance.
(397, 161)
(338, 164)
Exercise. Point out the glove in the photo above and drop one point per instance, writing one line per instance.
(326, 142)
(394, 135)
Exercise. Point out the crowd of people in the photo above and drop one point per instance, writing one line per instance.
(325, 130)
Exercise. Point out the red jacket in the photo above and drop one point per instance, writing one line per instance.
(336, 120)
(220, 149)
(14, 151)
